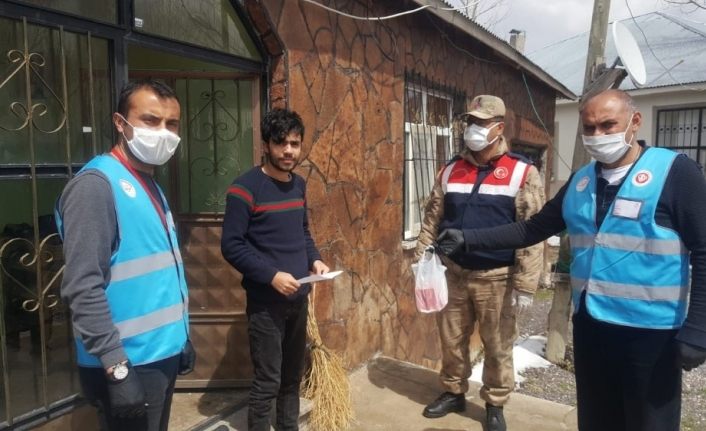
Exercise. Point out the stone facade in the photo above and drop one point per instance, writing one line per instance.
(347, 79)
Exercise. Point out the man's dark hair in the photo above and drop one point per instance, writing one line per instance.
(159, 88)
(278, 123)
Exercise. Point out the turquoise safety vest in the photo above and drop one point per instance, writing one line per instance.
(634, 272)
(147, 292)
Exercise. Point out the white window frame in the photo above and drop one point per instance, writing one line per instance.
(424, 137)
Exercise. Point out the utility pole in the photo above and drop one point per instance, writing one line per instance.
(595, 61)
(596, 79)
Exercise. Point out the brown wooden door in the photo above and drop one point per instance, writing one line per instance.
(218, 323)
(220, 115)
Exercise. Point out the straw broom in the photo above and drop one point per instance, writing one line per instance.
(326, 383)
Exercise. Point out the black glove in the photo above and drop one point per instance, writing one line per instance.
(450, 241)
(187, 359)
(689, 356)
(127, 396)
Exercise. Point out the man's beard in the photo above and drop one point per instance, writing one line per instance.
(274, 162)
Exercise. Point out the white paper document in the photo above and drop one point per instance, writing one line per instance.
(322, 277)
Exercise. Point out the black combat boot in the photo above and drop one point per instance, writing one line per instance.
(494, 419)
(445, 404)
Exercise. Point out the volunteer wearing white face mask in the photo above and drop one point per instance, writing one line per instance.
(151, 146)
(124, 277)
(635, 222)
(484, 186)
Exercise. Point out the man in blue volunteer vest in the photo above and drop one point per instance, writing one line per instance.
(266, 237)
(635, 219)
(485, 186)
(124, 277)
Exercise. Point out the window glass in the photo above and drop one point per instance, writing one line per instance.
(68, 96)
(96, 10)
(428, 145)
(63, 104)
(682, 130)
(216, 144)
(209, 23)
(34, 332)
(218, 123)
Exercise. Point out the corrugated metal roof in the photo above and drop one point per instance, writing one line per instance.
(669, 40)
(501, 47)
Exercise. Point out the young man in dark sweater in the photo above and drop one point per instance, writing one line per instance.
(266, 237)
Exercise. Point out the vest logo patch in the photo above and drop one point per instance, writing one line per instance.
(500, 172)
(582, 184)
(128, 188)
(642, 178)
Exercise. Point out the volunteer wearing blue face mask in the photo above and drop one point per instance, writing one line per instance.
(485, 185)
(635, 219)
(124, 278)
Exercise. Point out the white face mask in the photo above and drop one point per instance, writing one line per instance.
(476, 137)
(607, 148)
(154, 147)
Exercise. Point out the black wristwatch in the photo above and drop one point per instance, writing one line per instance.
(118, 372)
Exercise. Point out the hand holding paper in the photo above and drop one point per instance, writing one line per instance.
(320, 277)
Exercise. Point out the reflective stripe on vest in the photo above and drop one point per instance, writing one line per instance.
(634, 272)
(465, 179)
(143, 265)
(147, 292)
(629, 243)
(492, 204)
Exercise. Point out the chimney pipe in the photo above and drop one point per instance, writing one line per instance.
(517, 40)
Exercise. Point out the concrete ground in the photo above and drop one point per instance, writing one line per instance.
(390, 395)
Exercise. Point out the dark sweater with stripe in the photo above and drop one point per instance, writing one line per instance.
(266, 230)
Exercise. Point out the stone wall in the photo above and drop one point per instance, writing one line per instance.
(346, 78)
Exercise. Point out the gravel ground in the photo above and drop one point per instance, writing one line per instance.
(557, 383)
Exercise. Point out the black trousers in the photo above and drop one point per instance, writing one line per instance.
(158, 380)
(627, 378)
(277, 333)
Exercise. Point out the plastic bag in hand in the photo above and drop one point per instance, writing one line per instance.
(430, 289)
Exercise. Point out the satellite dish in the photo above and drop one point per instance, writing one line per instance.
(629, 55)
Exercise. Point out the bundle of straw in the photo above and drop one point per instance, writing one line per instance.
(326, 383)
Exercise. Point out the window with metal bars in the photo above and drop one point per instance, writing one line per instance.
(683, 130)
(429, 144)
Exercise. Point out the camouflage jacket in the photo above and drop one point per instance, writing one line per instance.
(529, 200)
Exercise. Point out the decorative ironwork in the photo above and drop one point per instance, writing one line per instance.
(30, 263)
(215, 132)
(29, 62)
(27, 258)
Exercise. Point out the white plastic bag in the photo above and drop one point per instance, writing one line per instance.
(430, 290)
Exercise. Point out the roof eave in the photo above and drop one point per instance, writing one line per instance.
(500, 46)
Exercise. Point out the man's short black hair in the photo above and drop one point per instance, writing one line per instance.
(278, 123)
(159, 88)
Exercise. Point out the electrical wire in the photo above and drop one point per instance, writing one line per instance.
(396, 15)
(458, 48)
(549, 135)
(667, 70)
(529, 94)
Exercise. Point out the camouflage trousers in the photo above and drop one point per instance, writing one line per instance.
(485, 296)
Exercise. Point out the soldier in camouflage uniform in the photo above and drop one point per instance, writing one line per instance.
(482, 187)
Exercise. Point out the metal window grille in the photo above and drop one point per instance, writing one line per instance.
(683, 130)
(430, 142)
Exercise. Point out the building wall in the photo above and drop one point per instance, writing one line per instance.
(648, 101)
(347, 78)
